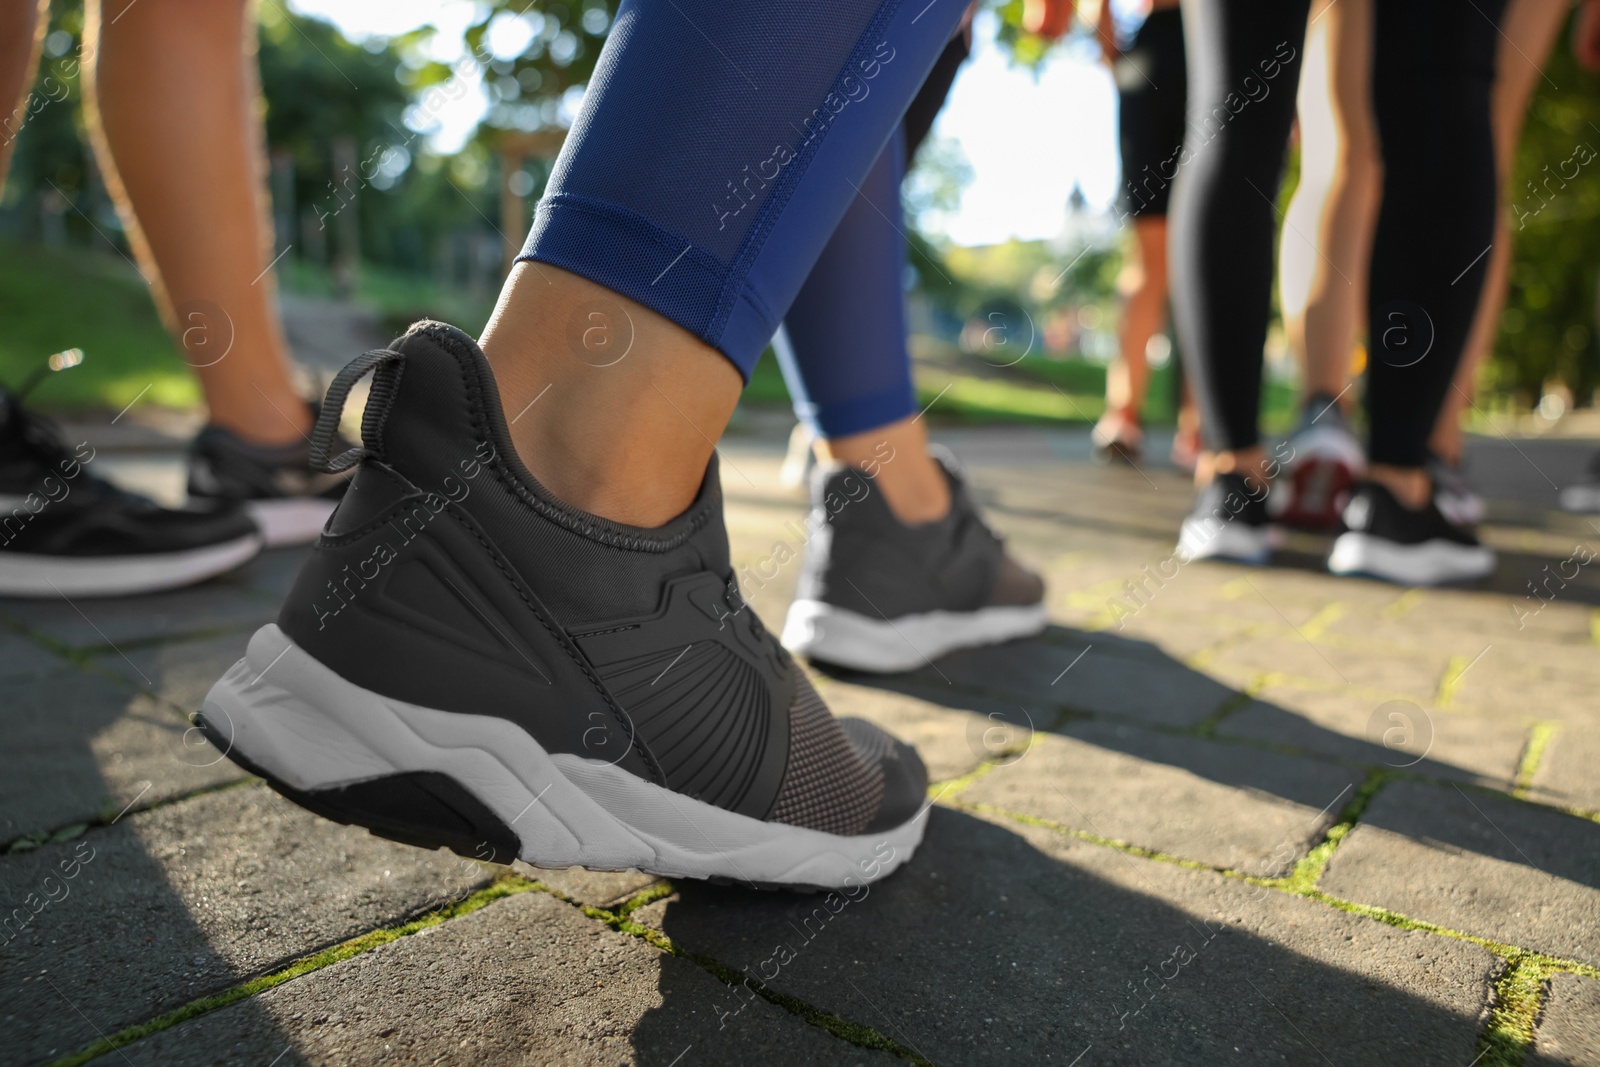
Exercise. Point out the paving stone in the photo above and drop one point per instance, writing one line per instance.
(81, 747)
(1050, 674)
(107, 624)
(22, 658)
(1398, 734)
(182, 672)
(1568, 1033)
(1009, 944)
(171, 904)
(1566, 775)
(1480, 864)
(602, 889)
(1286, 653)
(1202, 800)
(526, 980)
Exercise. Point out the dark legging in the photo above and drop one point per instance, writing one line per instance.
(849, 370)
(719, 145)
(1433, 63)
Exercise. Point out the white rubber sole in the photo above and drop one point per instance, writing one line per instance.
(291, 520)
(24, 574)
(833, 635)
(1430, 563)
(301, 723)
(1224, 540)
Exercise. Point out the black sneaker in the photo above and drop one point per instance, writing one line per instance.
(1455, 492)
(465, 661)
(1229, 521)
(876, 595)
(1387, 540)
(289, 501)
(64, 531)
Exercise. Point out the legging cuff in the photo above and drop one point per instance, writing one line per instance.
(666, 272)
(858, 414)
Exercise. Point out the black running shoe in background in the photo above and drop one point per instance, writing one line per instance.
(287, 499)
(466, 661)
(877, 595)
(1229, 521)
(1419, 546)
(64, 531)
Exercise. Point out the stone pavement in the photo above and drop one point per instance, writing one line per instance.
(1214, 814)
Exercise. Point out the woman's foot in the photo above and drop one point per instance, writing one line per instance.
(288, 501)
(466, 660)
(1410, 546)
(1229, 521)
(66, 532)
(1117, 436)
(880, 595)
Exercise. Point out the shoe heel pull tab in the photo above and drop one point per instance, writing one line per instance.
(385, 365)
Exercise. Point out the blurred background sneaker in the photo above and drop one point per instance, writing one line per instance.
(276, 486)
(1455, 493)
(1117, 436)
(1409, 546)
(65, 531)
(1324, 462)
(1583, 496)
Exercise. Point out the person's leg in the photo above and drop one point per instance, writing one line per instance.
(477, 642)
(173, 106)
(1143, 313)
(1528, 30)
(22, 28)
(745, 185)
(1327, 231)
(1432, 72)
(1433, 66)
(1244, 67)
(852, 375)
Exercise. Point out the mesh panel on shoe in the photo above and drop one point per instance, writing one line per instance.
(828, 786)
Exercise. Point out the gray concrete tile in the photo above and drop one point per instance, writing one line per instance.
(1568, 1033)
(1202, 800)
(1049, 674)
(1480, 864)
(1566, 775)
(1008, 944)
(21, 658)
(81, 747)
(172, 904)
(526, 980)
(108, 624)
(181, 672)
(1396, 734)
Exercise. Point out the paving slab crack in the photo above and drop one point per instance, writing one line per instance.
(110, 814)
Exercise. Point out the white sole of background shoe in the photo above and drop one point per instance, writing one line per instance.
(300, 723)
(833, 635)
(290, 521)
(25, 574)
(1224, 540)
(1430, 563)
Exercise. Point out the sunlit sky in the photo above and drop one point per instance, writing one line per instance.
(1028, 136)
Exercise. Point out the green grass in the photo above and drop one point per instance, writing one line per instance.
(57, 298)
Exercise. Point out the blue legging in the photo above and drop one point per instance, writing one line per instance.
(719, 145)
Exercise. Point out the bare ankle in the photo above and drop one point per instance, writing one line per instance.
(912, 482)
(1409, 485)
(614, 409)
